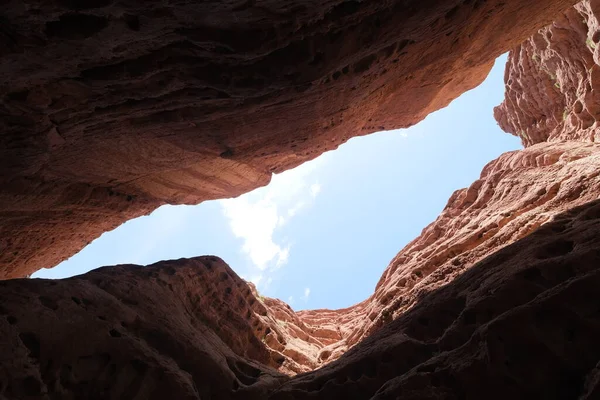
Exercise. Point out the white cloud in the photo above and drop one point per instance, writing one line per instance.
(256, 217)
(268, 282)
(255, 223)
(291, 300)
(294, 210)
(315, 188)
(404, 135)
(281, 221)
(306, 294)
(283, 257)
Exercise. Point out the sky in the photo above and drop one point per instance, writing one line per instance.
(321, 235)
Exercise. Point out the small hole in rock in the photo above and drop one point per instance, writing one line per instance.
(132, 21)
(115, 333)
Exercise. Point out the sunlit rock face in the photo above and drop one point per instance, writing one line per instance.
(112, 108)
(552, 81)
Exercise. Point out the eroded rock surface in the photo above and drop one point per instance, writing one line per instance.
(521, 323)
(111, 108)
(133, 332)
(553, 79)
(516, 194)
(496, 299)
(426, 329)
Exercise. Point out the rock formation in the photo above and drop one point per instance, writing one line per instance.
(521, 323)
(552, 81)
(496, 299)
(110, 109)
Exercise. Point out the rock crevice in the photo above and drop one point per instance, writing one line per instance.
(496, 299)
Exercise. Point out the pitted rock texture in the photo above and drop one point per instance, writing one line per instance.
(145, 331)
(131, 332)
(515, 195)
(553, 79)
(151, 330)
(496, 299)
(111, 108)
(522, 323)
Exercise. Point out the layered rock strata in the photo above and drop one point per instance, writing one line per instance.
(110, 108)
(496, 299)
(521, 323)
(515, 195)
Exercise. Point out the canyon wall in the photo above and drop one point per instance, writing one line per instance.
(552, 81)
(496, 299)
(110, 109)
(521, 323)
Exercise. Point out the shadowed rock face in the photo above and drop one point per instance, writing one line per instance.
(522, 323)
(515, 195)
(496, 299)
(150, 332)
(197, 314)
(111, 108)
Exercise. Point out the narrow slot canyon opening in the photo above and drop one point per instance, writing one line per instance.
(319, 236)
(425, 263)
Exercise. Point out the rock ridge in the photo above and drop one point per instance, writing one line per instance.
(520, 323)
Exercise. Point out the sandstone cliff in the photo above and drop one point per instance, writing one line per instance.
(127, 325)
(522, 323)
(496, 299)
(110, 109)
(552, 80)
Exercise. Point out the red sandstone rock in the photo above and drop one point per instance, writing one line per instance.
(516, 194)
(111, 108)
(521, 323)
(177, 318)
(133, 332)
(495, 299)
(552, 80)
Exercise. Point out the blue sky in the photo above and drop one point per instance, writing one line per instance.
(320, 236)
